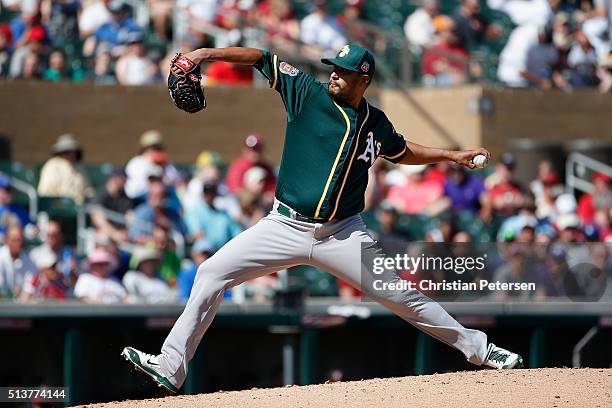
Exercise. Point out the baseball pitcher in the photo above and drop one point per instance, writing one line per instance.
(333, 136)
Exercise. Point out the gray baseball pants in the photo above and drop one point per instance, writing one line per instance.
(277, 242)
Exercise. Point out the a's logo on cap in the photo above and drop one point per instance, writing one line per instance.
(344, 51)
(365, 67)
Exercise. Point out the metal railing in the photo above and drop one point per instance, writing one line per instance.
(32, 194)
(576, 165)
(118, 218)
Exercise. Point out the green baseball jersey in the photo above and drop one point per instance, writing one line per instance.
(329, 146)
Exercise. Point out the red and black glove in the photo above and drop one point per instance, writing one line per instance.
(186, 89)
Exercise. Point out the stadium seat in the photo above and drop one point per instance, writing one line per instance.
(97, 174)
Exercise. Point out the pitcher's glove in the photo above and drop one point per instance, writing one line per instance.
(185, 89)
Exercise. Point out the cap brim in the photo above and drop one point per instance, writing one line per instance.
(338, 62)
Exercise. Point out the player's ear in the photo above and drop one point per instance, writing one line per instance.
(365, 80)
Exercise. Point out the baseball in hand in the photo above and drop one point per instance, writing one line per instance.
(480, 161)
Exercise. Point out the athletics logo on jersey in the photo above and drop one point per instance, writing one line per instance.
(371, 151)
(344, 51)
(288, 69)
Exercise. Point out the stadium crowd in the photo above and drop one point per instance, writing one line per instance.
(143, 210)
(546, 43)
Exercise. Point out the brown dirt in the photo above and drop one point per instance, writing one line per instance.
(546, 387)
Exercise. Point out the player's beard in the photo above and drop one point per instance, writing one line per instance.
(335, 92)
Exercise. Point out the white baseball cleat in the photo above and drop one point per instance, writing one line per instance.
(502, 359)
(148, 364)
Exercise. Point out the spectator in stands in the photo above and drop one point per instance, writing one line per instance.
(113, 198)
(255, 183)
(47, 284)
(472, 27)
(54, 243)
(377, 188)
(415, 195)
(282, 29)
(11, 213)
(568, 226)
(524, 12)
(170, 263)
(252, 156)
(60, 17)
(518, 227)
(58, 71)
(140, 167)
(221, 73)
(603, 224)
(202, 250)
(154, 211)
(144, 284)
(208, 164)
(94, 14)
(419, 26)
(505, 194)
(465, 191)
(558, 280)
(60, 176)
(549, 190)
(543, 63)
(134, 67)
(97, 286)
(161, 15)
(192, 21)
(513, 58)
(352, 28)
(390, 239)
(205, 220)
(605, 73)
(29, 57)
(546, 176)
(6, 37)
(321, 32)
(516, 269)
(116, 32)
(15, 263)
(600, 198)
(28, 21)
(583, 62)
(252, 209)
(103, 73)
(445, 62)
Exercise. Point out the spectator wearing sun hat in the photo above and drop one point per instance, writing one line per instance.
(48, 283)
(61, 176)
(143, 284)
(151, 156)
(97, 286)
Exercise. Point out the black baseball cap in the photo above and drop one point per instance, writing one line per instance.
(354, 58)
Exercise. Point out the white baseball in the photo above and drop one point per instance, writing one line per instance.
(480, 161)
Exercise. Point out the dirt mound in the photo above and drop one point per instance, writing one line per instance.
(547, 387)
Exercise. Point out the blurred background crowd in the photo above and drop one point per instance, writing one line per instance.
(545, 44)
(137, 233)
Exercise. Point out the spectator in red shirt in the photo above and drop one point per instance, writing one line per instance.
(252, 156)
(416, 195)
(504, 194)
(47, 283)
(601, 198)
(445, 62)
(228, 74)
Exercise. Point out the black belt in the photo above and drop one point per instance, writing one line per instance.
(294, 215)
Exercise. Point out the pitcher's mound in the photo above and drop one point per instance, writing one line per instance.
(546, 387)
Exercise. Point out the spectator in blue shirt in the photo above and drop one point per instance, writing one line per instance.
(10, 213)
(464, 190)
(205, 220)
(155, 211)
(117, 32)
(201, 251)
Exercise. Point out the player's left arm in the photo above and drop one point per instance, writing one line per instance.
(418, 154)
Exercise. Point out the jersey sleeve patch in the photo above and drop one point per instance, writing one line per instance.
(288, 69)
